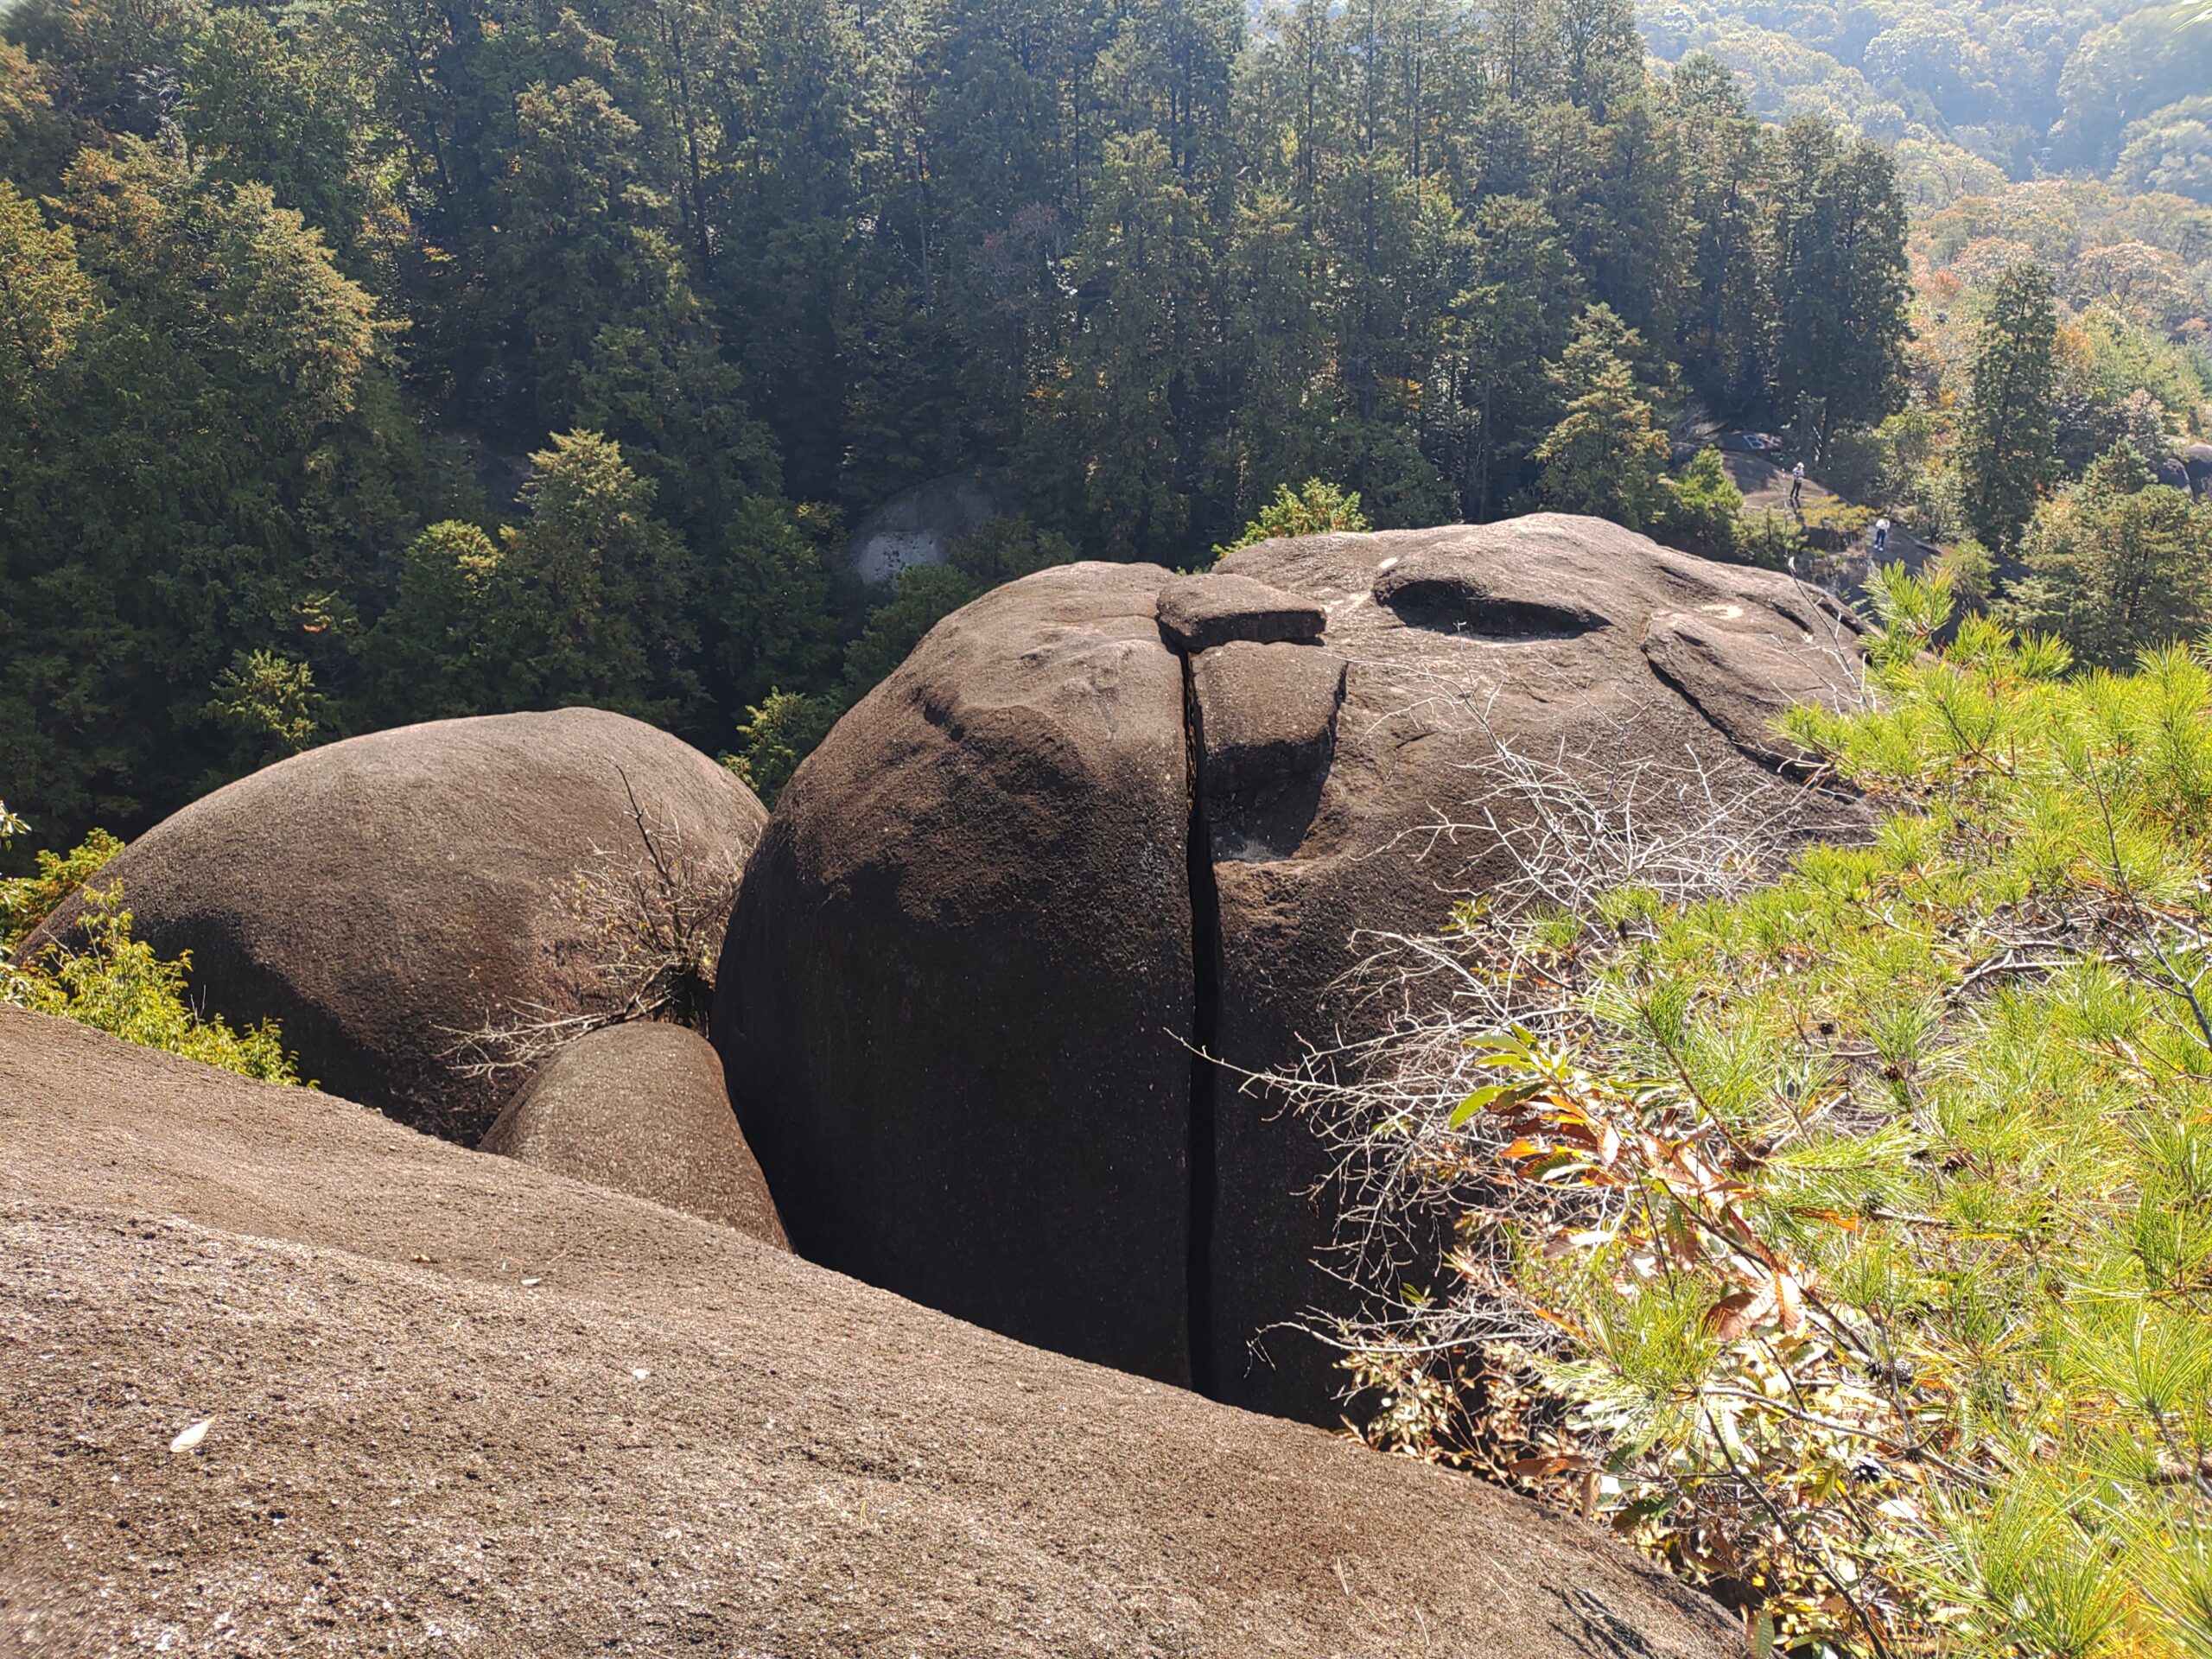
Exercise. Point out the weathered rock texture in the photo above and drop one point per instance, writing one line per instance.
(964, 1069)
(641, 1108)
(1561, 639)
(380, 896)
(454, 1401)
(1198, 612)
(1061, 847)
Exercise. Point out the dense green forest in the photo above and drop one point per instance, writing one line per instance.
(371, 360)
(390, 358)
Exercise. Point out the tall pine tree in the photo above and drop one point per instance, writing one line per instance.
(2010, 429)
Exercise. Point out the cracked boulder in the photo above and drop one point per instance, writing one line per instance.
(1103, 818)
(382, 897)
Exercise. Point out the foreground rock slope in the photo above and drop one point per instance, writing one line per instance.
(382, 896)
(1105, 817)
(453, 1403)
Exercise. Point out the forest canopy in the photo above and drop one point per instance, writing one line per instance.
(372, 360)
(364, 361)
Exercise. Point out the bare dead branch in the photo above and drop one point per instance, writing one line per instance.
(655, 914)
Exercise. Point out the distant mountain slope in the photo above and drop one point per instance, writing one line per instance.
(2106, 86)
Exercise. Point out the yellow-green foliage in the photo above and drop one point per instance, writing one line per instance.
(1313, 509)
(111, 981)
(1873, 1209)
(26, 901)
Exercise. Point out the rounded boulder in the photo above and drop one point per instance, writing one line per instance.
(962, 1068)
(390, 899)
(641, 1108)
(1027, 926)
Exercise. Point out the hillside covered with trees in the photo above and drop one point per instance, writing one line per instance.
(2106, 87)
(388, 359)
(2060, 364)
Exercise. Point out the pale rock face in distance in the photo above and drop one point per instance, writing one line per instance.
(919, 526)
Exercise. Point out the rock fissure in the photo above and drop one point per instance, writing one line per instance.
(994, 829)
(1205, 1022)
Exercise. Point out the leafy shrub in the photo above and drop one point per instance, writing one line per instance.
(776, 735)
(1933, 502)
(1831, 526)
(1847, 1242)
(1703, 510)
(114, 983)
(109, 980)
(25, 901)
(1859, 464)
(1771, 541)
(1315, 508)
(1970, 570)
(270, 702)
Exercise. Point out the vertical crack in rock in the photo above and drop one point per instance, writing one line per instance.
(1205, 979)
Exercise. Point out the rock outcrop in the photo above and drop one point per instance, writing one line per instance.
(919, 526)
(2197, 460)
(964, 1068)
(381, 897)
(641, 1108)
(444, 1399)
(1106, 817)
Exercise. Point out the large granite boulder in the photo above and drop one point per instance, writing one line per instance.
(449, 1401)
(641, 1108)
(384, 897)
(967, 1052)
(1103, 819)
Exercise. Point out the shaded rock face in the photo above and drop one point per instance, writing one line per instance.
(381, 896)
(641, 1108)
(2198, 459)
(978, 978)
(1067, 844)
(560, 1384)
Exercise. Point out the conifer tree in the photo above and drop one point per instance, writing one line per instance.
(1119, 416)
(2010, 429)
(1727, 324)
(1838, 284)
(2119, 564)
(596, 597)
(1605, 456)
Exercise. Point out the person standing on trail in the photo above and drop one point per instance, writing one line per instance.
(1797, 488)
(1881, 537)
